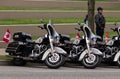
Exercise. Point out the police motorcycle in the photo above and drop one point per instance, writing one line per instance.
(24, 49)
(110, 48)
(80, 49)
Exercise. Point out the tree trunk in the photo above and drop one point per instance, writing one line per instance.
(91, 8)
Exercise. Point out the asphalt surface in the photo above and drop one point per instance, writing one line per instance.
(50, 14)
(54, 4)
(42, 72)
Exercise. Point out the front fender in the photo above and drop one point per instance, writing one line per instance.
(96, 51)
(93, 50)
(58, 49)
(117, 56)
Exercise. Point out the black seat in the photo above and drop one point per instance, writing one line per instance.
(68, 42)
(101, 43)
(30, 41)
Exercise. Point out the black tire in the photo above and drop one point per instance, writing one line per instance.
(18, 62)
(118, 62)
(57, 64)
(93, 64)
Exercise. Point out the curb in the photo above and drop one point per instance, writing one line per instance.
(32, 64)
(8, 63)
(4, 63)
(67, 64)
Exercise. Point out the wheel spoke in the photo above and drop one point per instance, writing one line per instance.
(54, 58)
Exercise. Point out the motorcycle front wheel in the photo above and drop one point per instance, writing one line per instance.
(118, 62)
(91, 61)
(55, 60)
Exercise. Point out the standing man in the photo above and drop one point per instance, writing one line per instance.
(100, 22)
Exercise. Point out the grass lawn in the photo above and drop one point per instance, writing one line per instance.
(37, 21)
(54, 21)
(2, 57)
(18, 8)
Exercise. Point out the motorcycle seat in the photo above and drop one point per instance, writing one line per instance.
(101, 43)
(30, 41)
(68, 42)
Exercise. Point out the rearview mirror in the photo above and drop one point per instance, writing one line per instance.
(40, 27)
(115, 23)
(41, 20)
(79, 23)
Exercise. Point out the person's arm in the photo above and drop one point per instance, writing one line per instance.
(97, 21)
(104, 21)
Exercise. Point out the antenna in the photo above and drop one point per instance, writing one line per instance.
(49, 21)
(115, 23)
(41, 20)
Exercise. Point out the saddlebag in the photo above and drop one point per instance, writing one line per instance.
(14, 47)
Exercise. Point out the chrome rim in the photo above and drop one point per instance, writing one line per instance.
(54, 58)
(90, 58)
(119, 61)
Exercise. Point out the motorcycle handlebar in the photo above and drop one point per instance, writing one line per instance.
(77, 29)
(112, 29)
(115, 29)
(40, 27)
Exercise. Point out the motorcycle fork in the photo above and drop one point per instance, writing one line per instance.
(88, 46)
(51, 45)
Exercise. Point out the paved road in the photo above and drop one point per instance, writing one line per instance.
(53, 4)
(58, 3)
(42, 72)
(19, 14)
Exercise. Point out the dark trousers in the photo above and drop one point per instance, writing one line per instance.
(100, 32)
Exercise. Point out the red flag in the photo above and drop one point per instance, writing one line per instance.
(7, 36)
(106, 36)
(78, 36)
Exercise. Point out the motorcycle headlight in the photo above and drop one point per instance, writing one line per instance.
(93, 41)
(52, 40)
(88, 41)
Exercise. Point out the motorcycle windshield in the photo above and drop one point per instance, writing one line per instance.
(87, 32)
(52, 32)
(118, 30)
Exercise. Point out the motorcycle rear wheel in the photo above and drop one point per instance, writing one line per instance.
(18, 62)
(118, 62)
